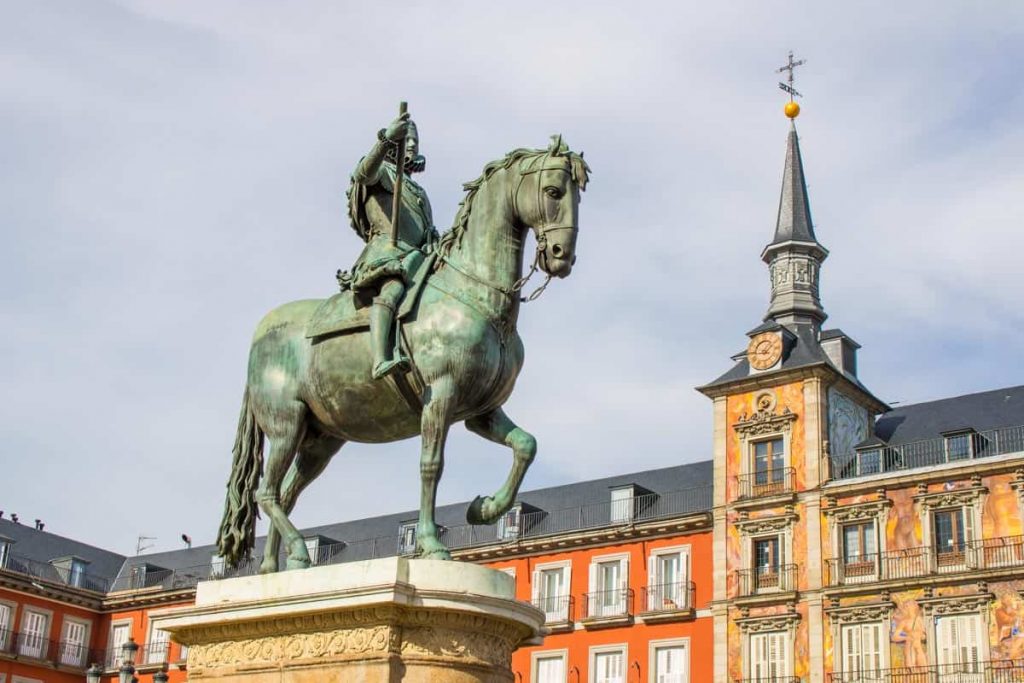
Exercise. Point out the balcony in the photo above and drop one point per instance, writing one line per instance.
(58, 653)
(48, 572)
(558, 611)
(989, 553)
(769, 679)
(971, 672)
(765, 484)
(667, 602)
(766, 580)
(928, 452)
(607, 608)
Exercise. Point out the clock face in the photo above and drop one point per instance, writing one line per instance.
(764, 351)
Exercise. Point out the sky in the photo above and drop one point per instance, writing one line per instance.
(170, 171)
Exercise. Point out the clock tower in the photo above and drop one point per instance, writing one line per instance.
(791, 398)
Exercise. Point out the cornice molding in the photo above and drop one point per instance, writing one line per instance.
(765, 422)
(951, 498)
(760, 525)
(771, 622)
(867, 612)
(854, 512)
(956, 604)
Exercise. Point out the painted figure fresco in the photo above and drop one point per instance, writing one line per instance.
(908, 629)
(1007, 617)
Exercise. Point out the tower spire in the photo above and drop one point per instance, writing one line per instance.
(794, 256)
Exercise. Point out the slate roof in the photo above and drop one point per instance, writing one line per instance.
(794, 219)
(982, 411)
(43, 546)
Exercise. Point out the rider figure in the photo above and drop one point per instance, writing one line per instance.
(384, 269)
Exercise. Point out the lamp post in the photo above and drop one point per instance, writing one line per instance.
(160, 676)
(126, 674)
(94, 673)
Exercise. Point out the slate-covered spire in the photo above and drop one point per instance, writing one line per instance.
(794, 256)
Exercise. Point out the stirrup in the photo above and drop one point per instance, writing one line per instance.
(386, 367)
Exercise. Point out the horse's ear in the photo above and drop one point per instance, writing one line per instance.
(557, 146)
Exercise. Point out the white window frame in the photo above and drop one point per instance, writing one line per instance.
(787, 652)
(312, 548)
(664, 643)
(7, 629)
(942, 655)
(656, 595)
(23, 679)
(165, 657)
(44, 637)
(83, 647)
(506, 531)
(535, 658)
(561, 611)
(594, 609)
(404, 529)
(623, 509)
(217, 566)
(595, 650)
(5, 550)
(113, 654)
(77, 569)
(844, 654)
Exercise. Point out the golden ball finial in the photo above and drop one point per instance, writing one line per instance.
(792, 109)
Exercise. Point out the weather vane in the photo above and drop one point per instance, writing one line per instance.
(792, 109)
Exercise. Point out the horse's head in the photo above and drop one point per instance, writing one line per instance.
(547, 198)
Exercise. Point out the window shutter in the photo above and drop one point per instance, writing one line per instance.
(592, 599)
(654, 594)
(970, 642)
(946, 639)
(535, 594)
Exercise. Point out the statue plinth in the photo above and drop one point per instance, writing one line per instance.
(377, 621)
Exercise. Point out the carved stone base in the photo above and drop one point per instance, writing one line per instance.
(364, 622)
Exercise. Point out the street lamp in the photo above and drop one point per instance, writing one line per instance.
(94, 673)
(160, 676)
(126, 674)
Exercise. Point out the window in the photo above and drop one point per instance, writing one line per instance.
(670, 662)
(949, 534)
(870, 461)
(667, 581)
(767, 562)
(859, 549)
(74, 641)
(622, 504)
(959, 642)
(35, 631)
(313, 548)
(608, 586)
(769, 465)
(958, 446)
(407, 538)
(551, 591)
(216, 566)
(508, 525)
(549, 667)
(608, 665)
(6, 617)
(5, 551)
(77, 573)
(861, 649)
(157, 646)
(769, 656)
(119, 634)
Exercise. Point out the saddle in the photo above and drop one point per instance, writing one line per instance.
(343, 314)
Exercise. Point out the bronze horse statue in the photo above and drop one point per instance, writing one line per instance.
(311, 396)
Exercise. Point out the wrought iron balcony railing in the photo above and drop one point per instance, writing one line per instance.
(667, 597)
(606, 604)
(1008, 671)
(769, 679)
(60, 575)
(765, 483)
(953, 448)
(762, 580)
(988, 553)
(55, 652)
(558, 609)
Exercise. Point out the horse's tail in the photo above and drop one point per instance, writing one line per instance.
(237, 535)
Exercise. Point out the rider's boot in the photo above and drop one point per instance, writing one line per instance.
(382, 318)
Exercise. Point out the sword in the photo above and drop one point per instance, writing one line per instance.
(396, 200)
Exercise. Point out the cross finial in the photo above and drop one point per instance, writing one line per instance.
(790, 66)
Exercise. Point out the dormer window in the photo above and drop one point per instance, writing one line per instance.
(77, 573)
(407, 538)
(5, 551)
(509, 524)
(216, 566)
(959, 445)
(622, 504)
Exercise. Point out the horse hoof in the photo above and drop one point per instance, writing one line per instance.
(475, 511)
(268, 568)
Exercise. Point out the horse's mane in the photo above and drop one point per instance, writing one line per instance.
(580, 175)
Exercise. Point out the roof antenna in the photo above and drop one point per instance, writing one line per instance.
(141, 544)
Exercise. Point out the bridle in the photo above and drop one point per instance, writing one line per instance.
(540, 231)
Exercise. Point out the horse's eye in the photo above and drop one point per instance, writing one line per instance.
(553, 192)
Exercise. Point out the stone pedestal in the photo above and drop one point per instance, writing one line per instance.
(378, 621)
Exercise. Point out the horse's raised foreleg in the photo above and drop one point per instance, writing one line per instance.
(497, 427)
(285, 433)
(309, 463)
(436, 419)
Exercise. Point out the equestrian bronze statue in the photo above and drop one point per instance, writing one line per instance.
(423, 335)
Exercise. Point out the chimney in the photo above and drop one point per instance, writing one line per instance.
(841, 350)
(14, 517)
